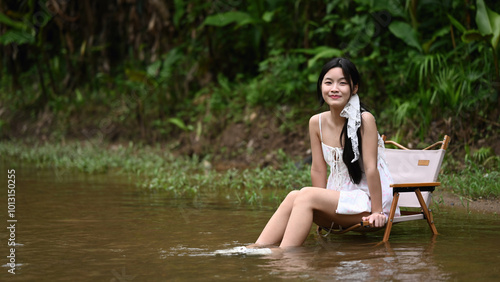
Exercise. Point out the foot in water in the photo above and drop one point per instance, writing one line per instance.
(244, 251)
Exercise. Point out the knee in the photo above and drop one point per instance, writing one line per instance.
(308, 191)
(290, 198)
(305, 196)
(293, 193)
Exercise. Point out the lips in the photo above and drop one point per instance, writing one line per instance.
(335, 96)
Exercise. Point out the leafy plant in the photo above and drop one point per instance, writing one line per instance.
(488, 23)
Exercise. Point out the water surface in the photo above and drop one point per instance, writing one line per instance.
(78, 227)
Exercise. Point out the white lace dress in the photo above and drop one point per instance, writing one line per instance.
(355, 198)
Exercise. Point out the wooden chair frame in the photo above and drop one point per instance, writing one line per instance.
(399, 188)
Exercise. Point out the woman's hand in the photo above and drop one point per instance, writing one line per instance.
(376, 219)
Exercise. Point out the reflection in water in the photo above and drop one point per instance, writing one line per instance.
(359, 261)
(81, 227)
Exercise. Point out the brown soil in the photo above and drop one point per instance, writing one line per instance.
(255, 141)
(490, 206)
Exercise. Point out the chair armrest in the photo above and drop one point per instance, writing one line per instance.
(424, 184)
(396, 144)
(365, 224)
(411, 187)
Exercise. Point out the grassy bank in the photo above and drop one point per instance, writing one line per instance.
(476, 177)
(157, 168)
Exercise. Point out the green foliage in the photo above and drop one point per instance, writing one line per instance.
(20, 34)
(476, 177)
(474, 181)
(485, 157)
(180, 124)
(405, 32)
(320, 52)
(223, 19)
(488, 23)
(156, 71)
(281, 80)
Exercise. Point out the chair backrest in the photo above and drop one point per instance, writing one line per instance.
(415, 166)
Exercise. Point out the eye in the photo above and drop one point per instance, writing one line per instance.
(328, 82)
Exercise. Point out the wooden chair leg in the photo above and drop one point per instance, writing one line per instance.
(427, 213)
(391, 217)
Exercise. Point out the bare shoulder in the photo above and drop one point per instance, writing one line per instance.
(368, 123)
(314, 120)
(314, 126)
(368, 119)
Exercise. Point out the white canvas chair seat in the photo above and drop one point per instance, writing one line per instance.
(410, 200)
(410, 217)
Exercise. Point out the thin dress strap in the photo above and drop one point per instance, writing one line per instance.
(320, 133)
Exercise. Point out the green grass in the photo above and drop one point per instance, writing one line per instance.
(474, 181)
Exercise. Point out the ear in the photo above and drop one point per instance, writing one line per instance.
(355, 90)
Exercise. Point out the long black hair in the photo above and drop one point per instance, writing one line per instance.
(352, 76)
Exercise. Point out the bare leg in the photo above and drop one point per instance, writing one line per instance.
(275, 227)
(313, 204)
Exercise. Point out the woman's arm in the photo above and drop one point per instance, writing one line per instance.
(318, 166)
(370, 156)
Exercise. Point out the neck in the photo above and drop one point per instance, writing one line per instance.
(336, 118)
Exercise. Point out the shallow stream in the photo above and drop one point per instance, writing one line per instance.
(78, 227)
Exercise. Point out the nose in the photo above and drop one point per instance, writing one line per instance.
(334, 88)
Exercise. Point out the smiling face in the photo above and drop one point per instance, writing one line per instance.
(335, 88)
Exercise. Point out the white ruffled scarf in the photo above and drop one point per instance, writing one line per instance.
(352, 111)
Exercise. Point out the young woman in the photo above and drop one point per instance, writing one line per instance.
(346, 140)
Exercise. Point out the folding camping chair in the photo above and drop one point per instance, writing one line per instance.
(415, 174)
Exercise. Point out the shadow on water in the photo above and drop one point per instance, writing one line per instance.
(74, 226)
